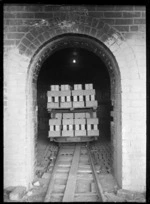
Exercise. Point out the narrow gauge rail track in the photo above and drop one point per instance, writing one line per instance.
(74, 177)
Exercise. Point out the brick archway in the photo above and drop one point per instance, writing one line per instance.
(109, 48)
(93, 45)
(112, 45)
(44, 30)
(27, 37)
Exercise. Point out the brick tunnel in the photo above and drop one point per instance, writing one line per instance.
(60, 69)
(111, 45)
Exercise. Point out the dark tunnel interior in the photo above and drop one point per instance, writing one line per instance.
(74, 66)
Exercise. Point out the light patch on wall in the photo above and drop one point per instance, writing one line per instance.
(42, 22)
(15, 60)
(66, 24)
(110, 41)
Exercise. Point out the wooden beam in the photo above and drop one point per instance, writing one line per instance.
(71, 183)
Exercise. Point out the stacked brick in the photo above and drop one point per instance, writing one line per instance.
(55, 127)
(89, 93)
(75, 122)
(59, 98)
(64, 97)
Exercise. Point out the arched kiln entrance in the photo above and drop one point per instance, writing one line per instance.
(99, 49)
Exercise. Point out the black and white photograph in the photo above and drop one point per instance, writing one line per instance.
(74, 103)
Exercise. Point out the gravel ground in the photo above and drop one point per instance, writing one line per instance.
(46, 154)
(102, 155)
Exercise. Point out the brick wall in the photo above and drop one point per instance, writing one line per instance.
(122, 30)
(43, 116)
(18, 20)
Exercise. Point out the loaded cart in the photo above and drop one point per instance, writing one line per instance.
(73, 113)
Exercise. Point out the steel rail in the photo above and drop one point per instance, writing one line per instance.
(51, 181)
(71, 183)
(73, 172)
(98, 184)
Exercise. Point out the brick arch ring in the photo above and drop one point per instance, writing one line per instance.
(43, 31)
(42, 34)
(105, 41)
(74, 40)
(61, 42)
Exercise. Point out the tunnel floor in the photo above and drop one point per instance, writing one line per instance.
(102, 157)
(47, 151)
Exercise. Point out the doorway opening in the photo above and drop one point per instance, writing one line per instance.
(59, 69)
(78, 59)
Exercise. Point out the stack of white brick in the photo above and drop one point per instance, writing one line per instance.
(80, 127)
(65, 97)
(55, 128)
(72, 124)
(62, 98)
(92, 127)
(59, 98)
(67, 125)
(89, 93)
(53, 97)
(81, 124)
(77, 94)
